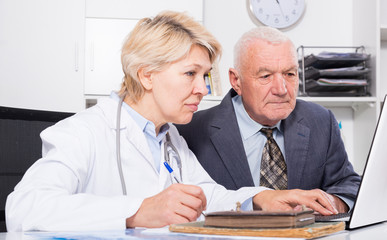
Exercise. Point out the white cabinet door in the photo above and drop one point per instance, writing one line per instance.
(104, 39)
(108, 22)
(137, 9)
(41, 42)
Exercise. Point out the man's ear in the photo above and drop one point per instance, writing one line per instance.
(235, 80)
(145, 78)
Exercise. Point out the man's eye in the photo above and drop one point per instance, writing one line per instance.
(265, 76)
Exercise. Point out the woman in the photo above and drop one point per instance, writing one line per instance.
(81, 184)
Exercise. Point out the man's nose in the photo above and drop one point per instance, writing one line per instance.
(279, 84)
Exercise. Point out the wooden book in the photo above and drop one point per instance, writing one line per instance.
(260, 219)
(311, 231)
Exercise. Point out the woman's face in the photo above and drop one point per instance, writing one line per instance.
(178, 90)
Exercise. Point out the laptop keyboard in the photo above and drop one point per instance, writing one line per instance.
(334, 217)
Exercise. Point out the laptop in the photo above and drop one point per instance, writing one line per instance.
(370, 205)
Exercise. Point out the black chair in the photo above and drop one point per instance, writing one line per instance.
(20, 146)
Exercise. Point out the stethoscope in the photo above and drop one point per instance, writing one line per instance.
(169, 150)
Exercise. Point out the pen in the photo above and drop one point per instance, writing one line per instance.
(170, 170)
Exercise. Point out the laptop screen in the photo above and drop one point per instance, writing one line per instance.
(370, 206)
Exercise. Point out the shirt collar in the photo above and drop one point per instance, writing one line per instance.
(145, 125)
(247, 125)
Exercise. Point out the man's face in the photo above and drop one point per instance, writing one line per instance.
(267, 81)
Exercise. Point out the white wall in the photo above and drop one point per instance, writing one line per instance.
(325, 23)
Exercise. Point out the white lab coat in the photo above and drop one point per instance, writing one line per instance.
(76, 184)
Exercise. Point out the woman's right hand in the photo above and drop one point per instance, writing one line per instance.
(179, 203)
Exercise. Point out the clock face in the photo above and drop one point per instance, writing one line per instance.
(277, 13)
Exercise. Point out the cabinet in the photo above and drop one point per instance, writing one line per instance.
(54, 54)
(41, 54)
(107, 25)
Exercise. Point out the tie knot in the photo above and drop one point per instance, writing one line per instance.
(268, 132)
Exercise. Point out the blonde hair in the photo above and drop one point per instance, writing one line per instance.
(264, 33)
(155, 43)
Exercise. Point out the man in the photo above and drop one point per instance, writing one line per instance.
(229, 144)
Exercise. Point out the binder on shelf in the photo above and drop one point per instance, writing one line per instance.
(216, 85)
(334, 73)
(326, 60)
(350, 72)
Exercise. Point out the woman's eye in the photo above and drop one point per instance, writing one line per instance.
(190, 73)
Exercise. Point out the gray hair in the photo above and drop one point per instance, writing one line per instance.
(264, 33)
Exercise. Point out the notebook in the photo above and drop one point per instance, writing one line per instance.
(370, 205)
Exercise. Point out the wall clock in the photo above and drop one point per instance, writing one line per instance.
(277, 13)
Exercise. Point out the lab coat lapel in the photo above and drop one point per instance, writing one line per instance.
(137, 138)
(128, 127)
(296, 138)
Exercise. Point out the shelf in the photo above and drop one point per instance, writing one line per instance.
(212, 98)
(341, 101)
(383, 32)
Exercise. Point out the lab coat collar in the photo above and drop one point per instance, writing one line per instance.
(128, 126)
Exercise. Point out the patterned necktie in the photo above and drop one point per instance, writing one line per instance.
(273, 166)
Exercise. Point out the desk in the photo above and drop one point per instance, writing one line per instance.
(375, 232)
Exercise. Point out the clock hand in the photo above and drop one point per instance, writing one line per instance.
(279, 5)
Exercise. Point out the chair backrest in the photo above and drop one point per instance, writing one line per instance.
(20, 146)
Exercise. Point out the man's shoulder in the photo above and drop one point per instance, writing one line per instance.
(303, 106)
(208, 113)
(309, 113)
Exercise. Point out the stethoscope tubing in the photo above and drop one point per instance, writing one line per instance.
(118, 150)
(168, 143)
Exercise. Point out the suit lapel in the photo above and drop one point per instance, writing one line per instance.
(296, 138)
(226, 138)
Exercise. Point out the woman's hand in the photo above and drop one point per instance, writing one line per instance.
(179, 203)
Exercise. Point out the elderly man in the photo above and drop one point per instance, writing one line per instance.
(261, 135)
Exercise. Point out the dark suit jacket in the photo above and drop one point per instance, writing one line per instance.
(315, 153)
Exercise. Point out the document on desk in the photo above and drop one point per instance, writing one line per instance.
(83, 235)
(161, 231)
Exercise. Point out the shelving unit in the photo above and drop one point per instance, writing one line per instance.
(320, 65)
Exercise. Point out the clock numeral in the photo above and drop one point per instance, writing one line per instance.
(294, 12)
(276, 20)
(287, 18)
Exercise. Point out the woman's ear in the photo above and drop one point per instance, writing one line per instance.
(235, 80)
(145, 78)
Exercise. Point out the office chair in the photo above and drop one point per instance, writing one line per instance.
(20, 146)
